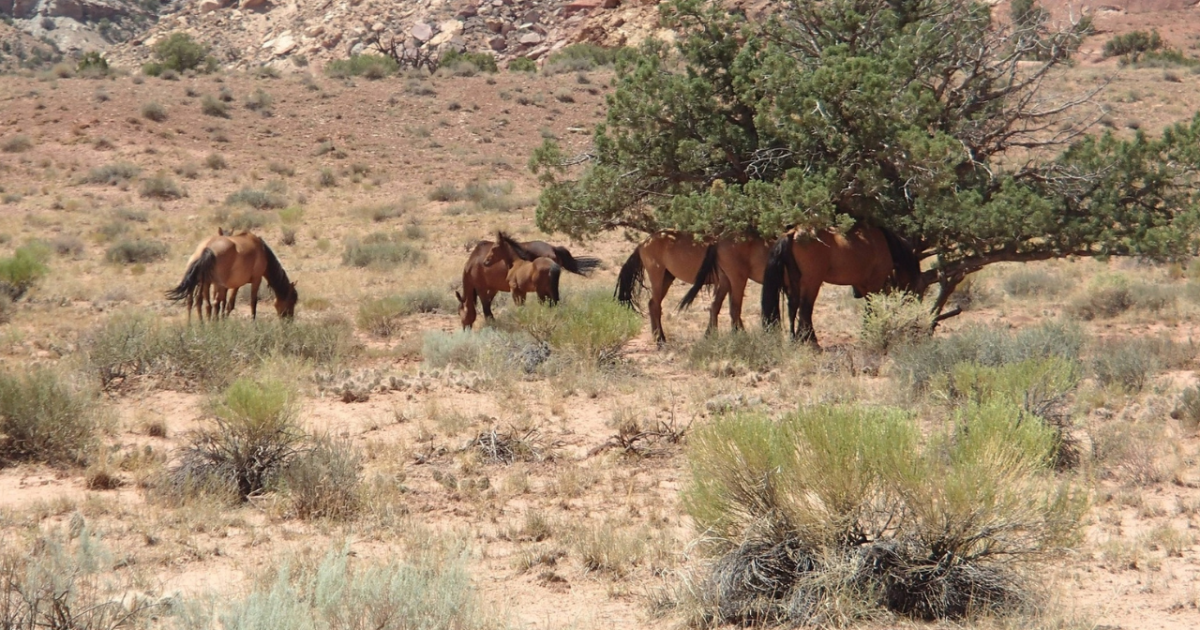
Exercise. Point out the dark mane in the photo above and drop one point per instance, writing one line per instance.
(277, 278)
(517, 249)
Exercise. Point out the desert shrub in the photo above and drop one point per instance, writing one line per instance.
(582, 57)
(919, 364)
(367, 66)
(16, 144)
(112, 174)
(481, 61)
(134, 346)
(67, 245)
(257, 199)
(850, 511)
(382, 317)
(6, 308)
(1133, 44)
(280, 168)
(212, 106)
(590, 326)
(381, 250)
(323, 480)
(137, 251)
(1136, 453)
(254, 437)
(382, 212)
(249, 220)
(180, 52)
(1027, 282)
(754, 350)
(92, 64)
(161, 186)
(431, 588)
(608, 548)
(45, 417)
(259, 101)
(1187, 410)
(22, 270)
(129, 214)
(893, 320)
(326, 178)
(215, 161)
(1125, 364)
(522, 64)
(1110, 295)
(154, 111)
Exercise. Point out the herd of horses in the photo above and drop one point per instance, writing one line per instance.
(869, 259)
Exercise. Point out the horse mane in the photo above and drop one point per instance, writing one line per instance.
(518, 250)
(582, 265)
(903, 258)
(706, 276)
(277, 278)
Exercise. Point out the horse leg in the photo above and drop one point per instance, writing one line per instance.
(714, 311)
(254, 298)
(232, 295)
(485, 298)
(660, 283)
(737, 291)
(805, 332)
(518, 297)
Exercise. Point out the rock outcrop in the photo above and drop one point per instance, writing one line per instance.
(75, 26)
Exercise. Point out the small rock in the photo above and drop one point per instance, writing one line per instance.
(531, 39)
(208, 6)
(422, 32)
(357, 49)
(283, 44)
(252, 4)
(498, 43)
(468, 11)
(315, 31)
(377, 27)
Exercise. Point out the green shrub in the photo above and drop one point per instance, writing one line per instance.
(368, 66)
(180, 52)
(584, 56)
(1027, 282)
(382, 212)
(381, 250)
(154, 111)
(46, 418)
(137, 251)
(130, 346)
(590, 326)
(382, 317)
(323, 480)
(1125, 364)
(893, 320)
(257, 199)
(211, 106)
(161, 186)
(481, 61)
(757, 351)
(919, 364)
(92, 64)
(16, 144)
(326, 178)
(113, 174)
(844, 510)
(522, 64)
(1133, 44)
(1110, 295)
(21, 271)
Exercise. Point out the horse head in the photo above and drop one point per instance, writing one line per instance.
(285, 305)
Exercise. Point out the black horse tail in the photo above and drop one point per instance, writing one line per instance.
(555, 274)
(779, 260)
(195, 274)
(706, 276)
(582, 265)
(904, 260)
(630, 279)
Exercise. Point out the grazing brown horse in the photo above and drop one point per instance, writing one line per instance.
(230, 261)
(481, 281)
(204, 292)
(730, 264)
(539, 276)
(869, 259)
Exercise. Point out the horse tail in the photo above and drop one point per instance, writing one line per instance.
(706, 276)
(555, 274)
(582, 265)
(630, 279)
(779, 259)
(194, 276)
(903, 258)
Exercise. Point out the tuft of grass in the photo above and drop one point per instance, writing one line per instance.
(258, 199)
(382, 317)
(381, 250)
(45, 417)
(326, 178)
(137, 251)
(260, 101)
(1032, 282)
(16, 144)
(154, 111)
(756, 351)
(215, 161)
(590, 326)
(113, 174)
(372, 67)
(213, 106)
(323, 480)
(1125, 364)
(161, 186)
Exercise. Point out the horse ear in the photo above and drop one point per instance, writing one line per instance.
(220, 231)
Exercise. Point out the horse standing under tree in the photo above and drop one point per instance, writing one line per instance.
(482, 281)
(226, 262)
(869, 259)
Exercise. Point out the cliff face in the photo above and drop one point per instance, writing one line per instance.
(75, 26)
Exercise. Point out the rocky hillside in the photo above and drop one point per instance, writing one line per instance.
(77, 26)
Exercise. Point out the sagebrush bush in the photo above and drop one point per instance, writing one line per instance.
(46, 417)
(893, 320)
(754, 350)
(323, 480)
(590, 326)
(381, 317)
(1125, 364)
(1133, 44)
(1030, 282)
(837, 505)
(162, 186)
(918, 364)
(1187, 410)
(249, 220)
(368, 66)
(259, 101)
(522, 64)
(381, 250)
(137, 251)
(481, 61)
(583, 56)
(212, 106)
(16, 144)
(113, 174)
(256, 198)
(154, 111)
(131, 346)
(23, 269)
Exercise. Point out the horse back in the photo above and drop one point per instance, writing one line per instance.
(677, 252)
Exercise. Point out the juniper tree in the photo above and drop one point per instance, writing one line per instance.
(933, 118)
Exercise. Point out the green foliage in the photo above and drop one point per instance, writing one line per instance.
(112, 174)
(754, 350)
(46, 418)
(212, 106)
(92, 64)
(1133, 44)
(482, 61)
(847, 111)
(381, 250)
(919, 364)
(858, 504)
(180, 52)
(23, 269)
(130, 346)
(382, 317)
(522, 64)
(367, 66)
(137, 251)
(590, 326)
(893, 320)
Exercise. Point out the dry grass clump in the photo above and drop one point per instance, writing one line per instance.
(836, 514)
(154, 111)
(382, 251)
(137, 251)
(16, 144)
(1111, 295)
(212, 106)
(893, 320)
(480, 195)
(379, 213)
(731, 353)
(1187, 410)
(162, 186)
(1138, 454)
(382, 317)
(215, 161)
(1033, 282)
(113, 174)
(507, 447)
(271, 197)
(1129, 364)
(590, 327)
(46, 417)
(323, 480)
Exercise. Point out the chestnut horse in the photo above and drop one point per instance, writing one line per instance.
(205, 292)
(228, 262)
(667, 255)
(867, 258)
(482, 282)
(539, 276)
